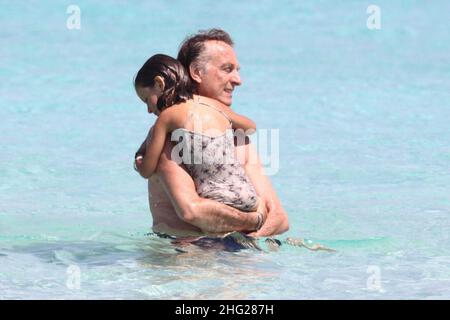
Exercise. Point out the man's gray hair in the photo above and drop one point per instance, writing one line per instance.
(192, 49)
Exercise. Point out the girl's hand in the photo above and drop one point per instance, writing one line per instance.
(143, 147)
(138, 163)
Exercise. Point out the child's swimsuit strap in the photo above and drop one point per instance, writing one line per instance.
(217, 109)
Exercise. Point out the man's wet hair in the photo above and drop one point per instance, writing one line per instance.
(193, 46)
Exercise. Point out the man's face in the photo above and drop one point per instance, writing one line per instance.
(220, 74)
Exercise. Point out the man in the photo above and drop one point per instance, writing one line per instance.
(176, 207)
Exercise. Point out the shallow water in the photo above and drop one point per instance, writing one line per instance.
(364, 150)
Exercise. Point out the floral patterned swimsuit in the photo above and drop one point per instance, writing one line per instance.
(216, 171)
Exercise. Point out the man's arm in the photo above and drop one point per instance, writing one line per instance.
(239, 121)
(277, 219)
(208, 215)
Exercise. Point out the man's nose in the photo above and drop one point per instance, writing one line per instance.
(236, 78)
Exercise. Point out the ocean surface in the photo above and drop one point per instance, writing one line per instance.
(364, 149)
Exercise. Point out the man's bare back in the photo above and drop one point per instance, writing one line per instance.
(165, 218)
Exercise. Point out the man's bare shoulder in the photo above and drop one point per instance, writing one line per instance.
(213, 102)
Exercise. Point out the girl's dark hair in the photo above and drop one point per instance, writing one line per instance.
(177, 84)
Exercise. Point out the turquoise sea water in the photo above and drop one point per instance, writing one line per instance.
(364, 149)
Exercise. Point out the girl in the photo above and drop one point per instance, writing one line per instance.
(204, 126)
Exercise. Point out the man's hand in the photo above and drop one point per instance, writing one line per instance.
(277, 219)
(262, 208)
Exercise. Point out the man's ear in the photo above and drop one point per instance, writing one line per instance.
(159, 82)
(195, 73)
